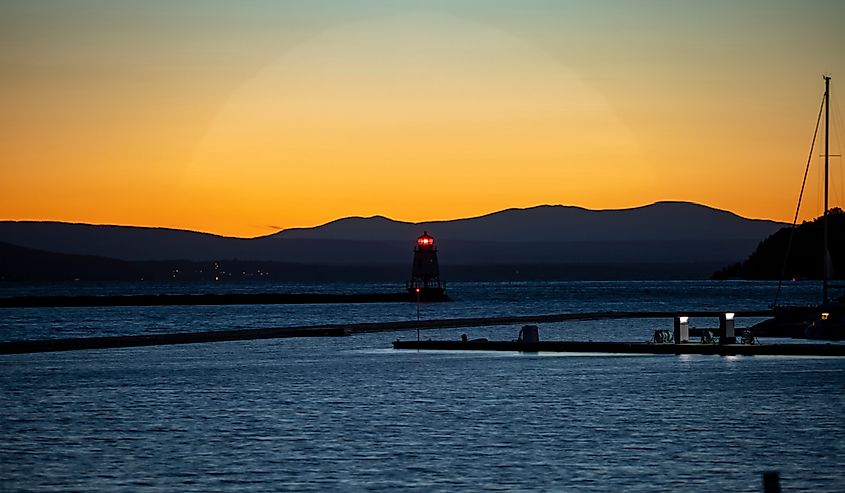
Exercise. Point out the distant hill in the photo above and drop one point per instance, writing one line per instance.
(804, 260)
(642, 239)
(672, 221)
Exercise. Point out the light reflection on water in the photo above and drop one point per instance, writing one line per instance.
(349, 414)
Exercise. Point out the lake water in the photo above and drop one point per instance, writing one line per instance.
(351, 414)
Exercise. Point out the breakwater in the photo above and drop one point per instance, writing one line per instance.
(210, 299)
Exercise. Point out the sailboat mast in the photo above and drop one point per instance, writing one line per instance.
(825, 272)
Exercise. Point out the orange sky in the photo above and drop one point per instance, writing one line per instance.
(239, 120)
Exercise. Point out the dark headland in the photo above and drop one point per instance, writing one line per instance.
(794, 253)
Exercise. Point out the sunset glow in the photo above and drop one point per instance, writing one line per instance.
(241, 120)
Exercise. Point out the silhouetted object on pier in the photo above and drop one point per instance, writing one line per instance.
(529, 334)
(425, 272)
(771, 482)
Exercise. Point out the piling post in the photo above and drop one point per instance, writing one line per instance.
(771, 482)
(681, 329)
(727, 332)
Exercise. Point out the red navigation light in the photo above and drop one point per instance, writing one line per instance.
(425, 240)
(418, 290)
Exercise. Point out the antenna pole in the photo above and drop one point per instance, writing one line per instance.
(825, 273)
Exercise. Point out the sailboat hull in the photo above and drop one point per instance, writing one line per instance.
(822, 322)
(830, 324)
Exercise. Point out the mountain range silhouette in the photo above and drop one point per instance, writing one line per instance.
(661, 234)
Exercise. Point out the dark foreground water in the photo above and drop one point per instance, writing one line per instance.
(350, 414)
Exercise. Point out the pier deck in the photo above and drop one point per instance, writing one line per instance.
(49, 345)
(629, 348)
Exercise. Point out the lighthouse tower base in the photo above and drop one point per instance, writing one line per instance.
(428, 294)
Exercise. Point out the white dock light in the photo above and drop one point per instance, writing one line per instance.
(729, 316)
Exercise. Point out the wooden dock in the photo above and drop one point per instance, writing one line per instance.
(629, 348)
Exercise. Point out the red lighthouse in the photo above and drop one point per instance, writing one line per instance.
(425, 272)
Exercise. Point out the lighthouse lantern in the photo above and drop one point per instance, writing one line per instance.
(425, 241)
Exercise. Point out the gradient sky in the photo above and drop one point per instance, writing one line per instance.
(239, 118)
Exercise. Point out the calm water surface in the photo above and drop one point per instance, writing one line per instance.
(350, 414)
